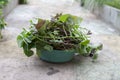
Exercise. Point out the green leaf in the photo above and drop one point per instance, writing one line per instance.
(63, 18)
(38, 52)
(28, 40)
(100, 47)
(76, 20)
(2, 23)
(30, 53)
(89, 49)
(52, 36)
(81, 49)
(55, 32)
(39, 44)
(27, 50)
(48, 47)
(85, 42)
(20, 41)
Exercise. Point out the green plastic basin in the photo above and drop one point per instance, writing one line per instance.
(57, 56)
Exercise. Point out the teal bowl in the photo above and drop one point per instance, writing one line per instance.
(57, 56)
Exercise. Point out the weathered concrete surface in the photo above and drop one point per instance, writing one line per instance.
(14, 65)
(10, 6)
(107, 67)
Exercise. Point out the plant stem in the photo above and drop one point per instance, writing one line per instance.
(64, 30)
(60, 37)
(0, 34)
(42, 40)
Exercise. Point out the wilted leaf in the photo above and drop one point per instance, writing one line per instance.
(40, 24)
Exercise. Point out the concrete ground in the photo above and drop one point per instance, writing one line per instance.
(14, 65)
